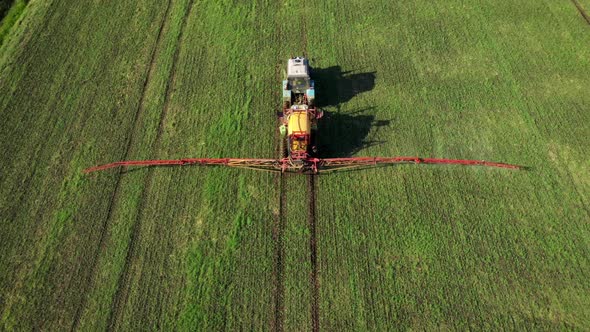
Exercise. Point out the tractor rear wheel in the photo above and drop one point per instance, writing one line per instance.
(283, 148)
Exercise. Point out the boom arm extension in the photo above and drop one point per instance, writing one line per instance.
(333, 164)
(310, 165)
(260, 164)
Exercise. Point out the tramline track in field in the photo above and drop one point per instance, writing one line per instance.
(581, 10)
(114, 197)
(311, 217)
(278, 230)
(122, 291)
(298, 150)
(314, 279)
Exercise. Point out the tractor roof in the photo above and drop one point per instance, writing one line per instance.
(298, 67)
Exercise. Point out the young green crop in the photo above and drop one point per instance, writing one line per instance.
(406, 247)
(430, 247)
(10, 12)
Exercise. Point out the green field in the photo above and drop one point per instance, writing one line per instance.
(393, 248)
(10, 12)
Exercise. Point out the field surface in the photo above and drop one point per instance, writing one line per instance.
(393, 248)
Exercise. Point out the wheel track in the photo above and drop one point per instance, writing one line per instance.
(279, 288)
(278, 227)
(311, 216)
(582, 11)
(114, 197)
(122, 293)
(314, 280)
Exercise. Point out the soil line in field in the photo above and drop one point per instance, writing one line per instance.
(278, 227)
(141, 107)
(311, 189)
(278, 272)
(315, 284)
(121, 294)
(581, 10)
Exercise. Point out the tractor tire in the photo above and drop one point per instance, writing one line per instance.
(283, 148)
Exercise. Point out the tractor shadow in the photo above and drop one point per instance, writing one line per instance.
(336, 87)
(343, 135)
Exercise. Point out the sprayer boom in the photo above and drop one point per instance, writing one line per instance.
(306, 166)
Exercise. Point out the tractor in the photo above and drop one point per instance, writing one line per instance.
(299, 116)
(298, 132)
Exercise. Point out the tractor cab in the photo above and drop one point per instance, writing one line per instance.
(298, 88)
(298, 75)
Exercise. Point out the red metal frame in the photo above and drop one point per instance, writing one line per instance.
(313, 111)
(340, 163)
(263, 164)
(315, 114)
(305, 166)
(299, 155)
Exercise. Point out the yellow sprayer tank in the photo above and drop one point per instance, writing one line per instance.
(299, 123)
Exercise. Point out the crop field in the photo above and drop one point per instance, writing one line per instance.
(391, 248)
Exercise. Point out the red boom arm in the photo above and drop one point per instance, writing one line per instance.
(263, 164)
(340, 163)
(310, 165)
